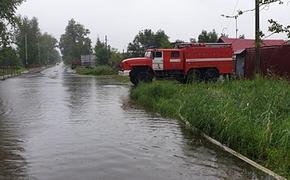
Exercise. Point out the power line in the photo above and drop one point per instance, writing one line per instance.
(235, 8)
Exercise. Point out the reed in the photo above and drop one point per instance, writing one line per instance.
(250, 116)
(96, 71)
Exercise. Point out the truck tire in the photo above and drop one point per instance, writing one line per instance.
(211, 74)
(194, 75)
(181, 80)
(141, 75)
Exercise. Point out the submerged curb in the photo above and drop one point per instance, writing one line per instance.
(240, 156)
(232, 152)
(30, 71)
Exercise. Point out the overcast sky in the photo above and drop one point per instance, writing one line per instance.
(121, 20)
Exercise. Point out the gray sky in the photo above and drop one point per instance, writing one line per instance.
(121, 20)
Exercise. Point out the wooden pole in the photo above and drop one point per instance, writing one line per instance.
(257, 39)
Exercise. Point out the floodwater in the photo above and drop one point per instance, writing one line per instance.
(58, 125)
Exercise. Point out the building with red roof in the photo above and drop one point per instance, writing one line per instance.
(239, 45)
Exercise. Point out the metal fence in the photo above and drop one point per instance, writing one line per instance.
(275, 60)
(9, 71)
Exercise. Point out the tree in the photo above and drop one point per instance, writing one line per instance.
(8, 57)
(75, 42)
(115, 58)
(224, 35)
(192, 40)
(276, 27)
(146, 39)
(27, 37)
(39, 48)
(7, 17)
(208, 37)
(102, 53)
(242, 36)
(47, 49)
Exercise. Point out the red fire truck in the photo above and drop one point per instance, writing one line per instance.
(186, 63)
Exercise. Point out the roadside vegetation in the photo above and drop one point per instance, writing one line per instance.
(96, 71)
(103, 72)
(22, 44)
(251, 117)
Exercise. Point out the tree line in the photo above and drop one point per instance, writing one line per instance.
(21, 41)
(76, 42)
(23, 44)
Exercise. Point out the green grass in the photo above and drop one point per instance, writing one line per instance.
(251, 117)
(96, 71)
(103, 72)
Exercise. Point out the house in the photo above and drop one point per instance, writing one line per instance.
(239, 47)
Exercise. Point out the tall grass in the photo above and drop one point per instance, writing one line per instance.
(252, 117)
(96, 71)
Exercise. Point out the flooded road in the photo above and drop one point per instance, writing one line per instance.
(57, 125)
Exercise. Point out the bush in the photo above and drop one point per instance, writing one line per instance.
(97, 71)
(8, 57)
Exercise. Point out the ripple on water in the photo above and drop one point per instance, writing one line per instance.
(60, 126)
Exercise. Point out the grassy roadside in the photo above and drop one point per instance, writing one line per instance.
(251, 117)
(8, 72)
(103, 72)
(96, 71)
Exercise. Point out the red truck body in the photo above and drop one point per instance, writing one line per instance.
(185, 63)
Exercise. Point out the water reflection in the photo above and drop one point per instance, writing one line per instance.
(57, 125)
(12, 163)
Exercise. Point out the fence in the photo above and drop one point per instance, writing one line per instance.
(275, 60)
(9, 71)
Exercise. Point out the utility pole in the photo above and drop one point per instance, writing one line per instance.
(106, 41)
(236, 19)
(38, 48)
(26, 55)
(257, 39)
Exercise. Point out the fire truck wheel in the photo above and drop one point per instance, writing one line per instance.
(134, 77)
(211, 75)
(134, 80)
(137, 76)
(194, 75)
(181, 80)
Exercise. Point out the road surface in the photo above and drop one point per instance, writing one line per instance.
(58, 125)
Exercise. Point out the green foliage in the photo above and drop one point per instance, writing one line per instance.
(47, 49)
(106, 55)
(278, 28)
(242, 36)
(97, 71)
(75, 42)
(252, 117)
(262, 2)
(8, 8)
(8, 57)
(224, 35)
(7, 17)
(28, 29)
(145, 39)
(115, 58)
(41, 48)
(208, 37)
(102, 52)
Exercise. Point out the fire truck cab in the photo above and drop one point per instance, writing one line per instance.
(185, 63)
